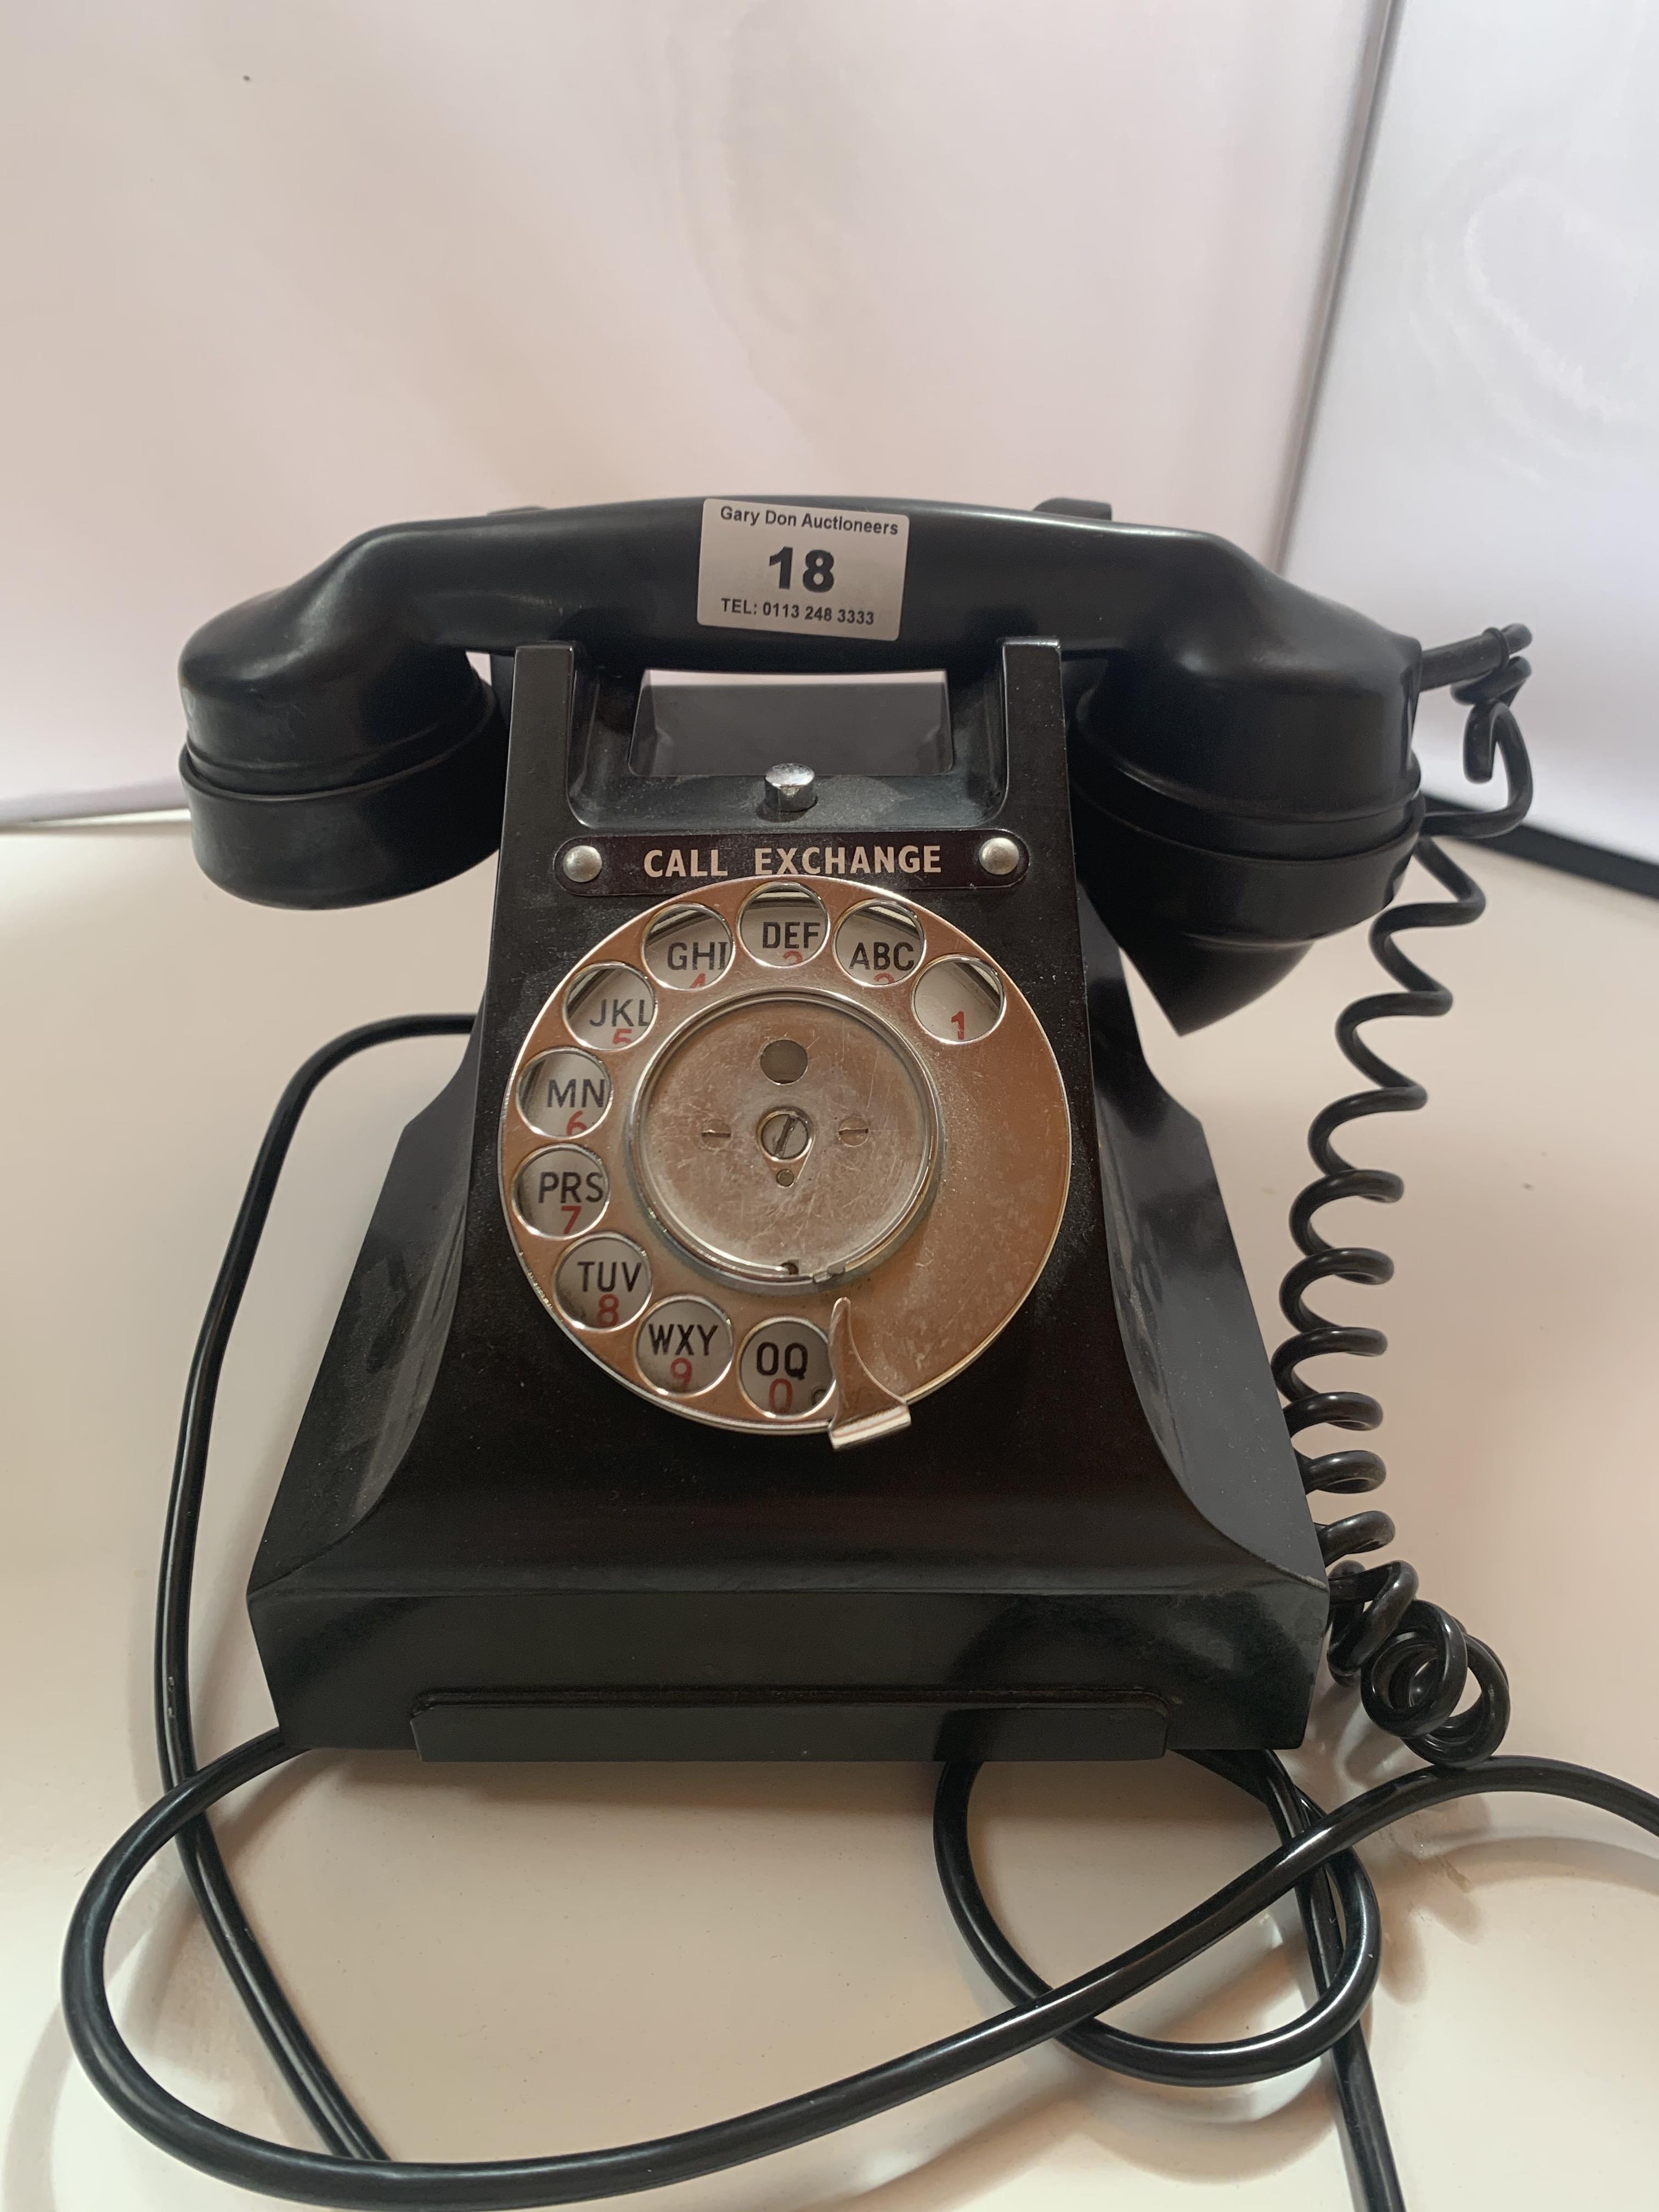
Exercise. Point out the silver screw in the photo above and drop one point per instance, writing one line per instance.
(784, 1133)
(582, 863)
(790, 789)
(1000, 856)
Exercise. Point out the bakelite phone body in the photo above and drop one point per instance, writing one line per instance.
(803, 1327)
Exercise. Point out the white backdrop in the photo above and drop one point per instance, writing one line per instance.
(1487, 447)
(275, 273)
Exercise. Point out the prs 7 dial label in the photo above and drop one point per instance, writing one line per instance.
(820, 571)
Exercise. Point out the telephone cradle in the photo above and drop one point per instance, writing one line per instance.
(803, 1327)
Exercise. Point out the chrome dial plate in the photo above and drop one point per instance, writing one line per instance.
(785, 1164)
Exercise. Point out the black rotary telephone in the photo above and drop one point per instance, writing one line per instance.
(803, 1327)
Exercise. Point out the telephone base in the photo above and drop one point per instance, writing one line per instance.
(482, 1549)
(1090, 1541)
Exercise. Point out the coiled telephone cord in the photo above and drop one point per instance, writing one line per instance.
(1412, 1660)
(1316, 1861)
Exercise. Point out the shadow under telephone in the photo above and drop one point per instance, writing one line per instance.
(803, 1327)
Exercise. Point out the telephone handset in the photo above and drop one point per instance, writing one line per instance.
(1243, 778)
(805, 1109)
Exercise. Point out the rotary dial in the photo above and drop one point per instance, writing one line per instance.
(785, 1158)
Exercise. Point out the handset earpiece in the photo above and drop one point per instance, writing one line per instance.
(332, 759)
(1243, 784)
(1217, 864)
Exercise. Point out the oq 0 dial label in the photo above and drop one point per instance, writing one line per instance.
(784, 1367)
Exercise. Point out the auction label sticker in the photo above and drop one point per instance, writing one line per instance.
(822, 571)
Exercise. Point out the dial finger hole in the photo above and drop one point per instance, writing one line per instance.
(561, 1191)
(688, 948)
(563, 1094)
(683, 1346)
(602, 1282)
(783, 926)
(958, 1000)
(610, 1007)
(879, 944)
(784, 1368)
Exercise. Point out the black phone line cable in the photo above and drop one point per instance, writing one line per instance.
(505, 2185)
(297, 2058)
(1344, 1884)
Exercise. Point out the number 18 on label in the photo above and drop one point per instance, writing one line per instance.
(822, 571)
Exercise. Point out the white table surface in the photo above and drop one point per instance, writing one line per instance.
(503, 1961)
